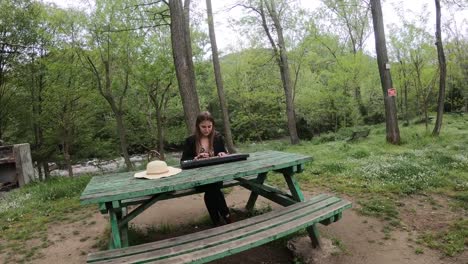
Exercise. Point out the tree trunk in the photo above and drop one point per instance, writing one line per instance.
(66, 156)
(160, 133)
(45, 167)
(219, 80)
(183, 64)
(393, 132)
(188, 41)
(443, 72)
(282, 59)
(123, 139)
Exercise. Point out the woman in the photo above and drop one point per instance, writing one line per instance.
(205, 143)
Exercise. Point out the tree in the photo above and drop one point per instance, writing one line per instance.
(65, 98)
(391, 121)
(442, 70)
(353, 15)
(219, 80)
(115, 43)
(156, 75)
(269, 14)
(18, 22)
(182, 55)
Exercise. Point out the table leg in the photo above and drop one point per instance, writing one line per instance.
(116, 241)
(314, 236)
(293, 184)
(253, 196)
(298, 196)
(119, 232)
(124, 229)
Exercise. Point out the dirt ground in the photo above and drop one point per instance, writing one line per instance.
(361, 239)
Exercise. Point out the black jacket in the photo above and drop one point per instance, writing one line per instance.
(190, 147)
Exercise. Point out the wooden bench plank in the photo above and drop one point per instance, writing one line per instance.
(240, 240)
(223, 234)
(263, 237)
(208, 233)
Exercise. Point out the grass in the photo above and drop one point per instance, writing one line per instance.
(373, 172)
(27, 213)
(451, 241)
(378, 174)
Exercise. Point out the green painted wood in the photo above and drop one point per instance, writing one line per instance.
(314, 235)
(124, 229)
(268, 192)
(293, 186)
(181, 193)
(103, 208)
(111, 246)
(116, 204)
(253, 196)
(124, 186)
(217, 247)
(338, 217)
(169, 243)
(115, 231)
(328, 221)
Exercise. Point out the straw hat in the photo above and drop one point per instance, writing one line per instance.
(157, 169)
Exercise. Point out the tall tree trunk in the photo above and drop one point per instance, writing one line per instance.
(393, 132)
(160, 133)
(406, 103)
(443, 72)
(159, 98)
(183, 64)
(282, 60)
(45, 167)
(219, 80)
(188, 41)
(123, 139)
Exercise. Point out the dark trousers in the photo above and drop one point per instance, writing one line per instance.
(215, 202)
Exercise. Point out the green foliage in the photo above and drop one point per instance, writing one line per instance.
(254, 95)
(451, 241)
(379, 207)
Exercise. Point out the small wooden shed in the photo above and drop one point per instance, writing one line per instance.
(16, 167)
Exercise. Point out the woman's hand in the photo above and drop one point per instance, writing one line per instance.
(222, 154)
(203, 155)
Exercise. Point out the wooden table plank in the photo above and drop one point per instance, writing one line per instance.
(124, 186)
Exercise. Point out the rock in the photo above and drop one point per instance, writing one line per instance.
(301, 248)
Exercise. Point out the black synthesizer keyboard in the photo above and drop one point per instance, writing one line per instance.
(190, 164)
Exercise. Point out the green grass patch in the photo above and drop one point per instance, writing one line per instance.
(451, 241)
(380, 207)
(27, 212)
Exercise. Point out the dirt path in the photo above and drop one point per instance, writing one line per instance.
(360, 238)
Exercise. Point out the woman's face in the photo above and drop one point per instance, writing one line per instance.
(205, 127)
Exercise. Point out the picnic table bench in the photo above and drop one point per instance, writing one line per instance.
(215, 243)
(114, 193)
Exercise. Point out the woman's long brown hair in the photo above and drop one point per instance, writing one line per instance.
(204, 116)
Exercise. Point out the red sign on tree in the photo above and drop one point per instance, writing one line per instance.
(391, 92)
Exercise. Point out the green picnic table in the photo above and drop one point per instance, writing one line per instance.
(115, 192)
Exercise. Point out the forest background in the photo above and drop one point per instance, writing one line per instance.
(81, 83)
